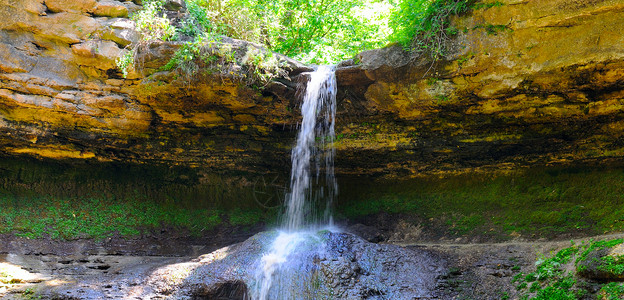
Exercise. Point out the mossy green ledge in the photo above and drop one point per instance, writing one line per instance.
(547, 88)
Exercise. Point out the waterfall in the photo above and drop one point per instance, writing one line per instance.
(317, 127)
(309, 191)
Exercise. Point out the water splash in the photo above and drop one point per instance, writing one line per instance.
(275, 275)
(283, 245)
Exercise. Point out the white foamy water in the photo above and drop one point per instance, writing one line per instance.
(309, 191)
(315, 135)
(284, 244)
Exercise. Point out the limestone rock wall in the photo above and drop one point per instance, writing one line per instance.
(527, 83)
(531, 82)
(62, 96)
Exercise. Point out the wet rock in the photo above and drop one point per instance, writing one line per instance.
(99, 267)
(352, 75)
(346, 265)
(336, 264)
(369, 233)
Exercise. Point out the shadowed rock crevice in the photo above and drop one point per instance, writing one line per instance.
(230, 290)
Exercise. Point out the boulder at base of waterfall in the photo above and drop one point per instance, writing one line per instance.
(324, 265)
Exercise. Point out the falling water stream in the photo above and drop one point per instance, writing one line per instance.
(310, 195)
(315, 136)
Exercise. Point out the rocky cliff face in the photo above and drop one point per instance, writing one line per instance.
(526, 83)
(62, 96)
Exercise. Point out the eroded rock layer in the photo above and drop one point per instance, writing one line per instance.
(525, 83)
(63, 97)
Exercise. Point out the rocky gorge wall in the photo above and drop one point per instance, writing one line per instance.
(526, 83)
(63, 97)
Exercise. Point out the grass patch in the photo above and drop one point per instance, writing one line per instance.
(487, 5)
(73, 218)
(41, 199)
(612, 291)
(533, 203)
(70, 218)
(610, 264)
(554, 280)
(599, 245)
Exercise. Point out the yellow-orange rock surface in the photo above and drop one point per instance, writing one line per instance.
(526, 83)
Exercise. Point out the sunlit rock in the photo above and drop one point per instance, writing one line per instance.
(109, 8)
(324, 264)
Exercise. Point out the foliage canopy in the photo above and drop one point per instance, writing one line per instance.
(315, 31)
(311, 31)
(324, 31)
(423, 25)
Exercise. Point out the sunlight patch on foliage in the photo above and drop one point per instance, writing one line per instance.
(314, 31)
(310, 31)
(424, 25)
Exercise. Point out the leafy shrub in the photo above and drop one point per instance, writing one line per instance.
(196, 22)
(551, 267)
(152, 24)
(261, 66)
(423, 25)
(552, 280)
(315, 31)
(125, 61)
(312, 31)
(252, 65)
(239, 19)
